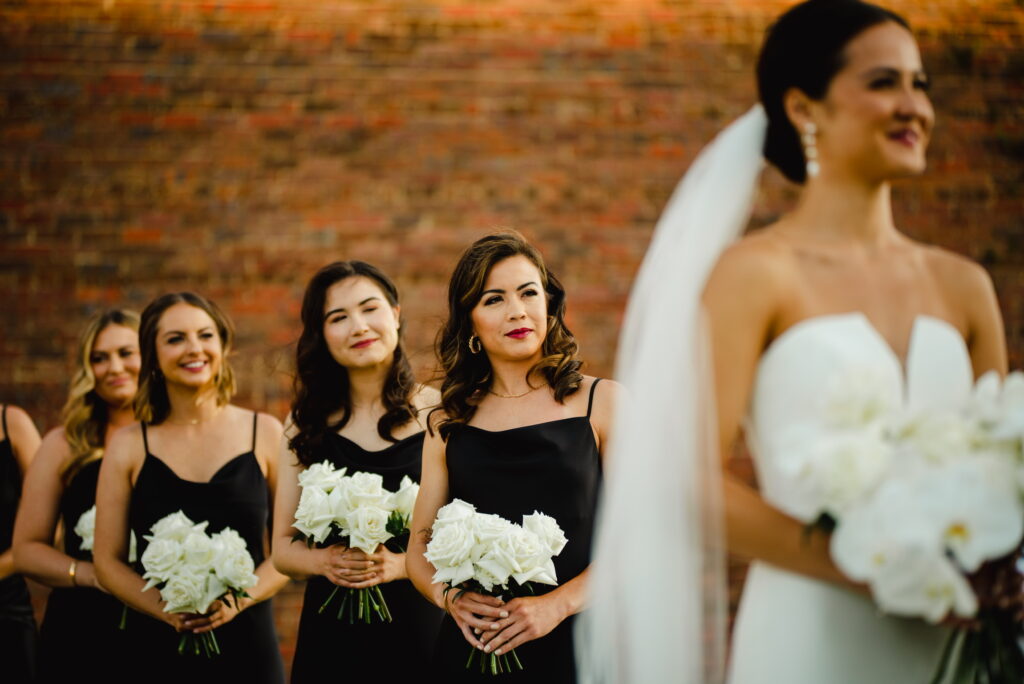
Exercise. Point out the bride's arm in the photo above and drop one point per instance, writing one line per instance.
(975, 296)
(742, 300)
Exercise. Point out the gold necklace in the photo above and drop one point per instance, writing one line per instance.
(513, 396)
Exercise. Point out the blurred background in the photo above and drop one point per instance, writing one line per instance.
(234, 147)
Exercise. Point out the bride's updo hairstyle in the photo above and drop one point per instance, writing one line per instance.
(804, 49)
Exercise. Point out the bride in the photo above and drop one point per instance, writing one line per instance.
(831, 290)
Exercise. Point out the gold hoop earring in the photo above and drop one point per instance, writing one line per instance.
(479, 345)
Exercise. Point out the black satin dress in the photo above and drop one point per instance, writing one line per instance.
(396, 651)
(236, 497)
(17, 625)
(553, 468)
(81, 624)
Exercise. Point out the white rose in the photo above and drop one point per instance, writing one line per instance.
(366, 527)
(314, 516)
(497, 564)
(338, 503)
(175, 526)
(546, 527)
(133, 548)
(184, 592)
(404, 500)
(365, 489)
(199, 550)
(489, 530)
(457, 511)
(448, 551)
(213, 589)
(532, 557)
(231, 540)
(160, 560)
(86, 528)
(321, 475)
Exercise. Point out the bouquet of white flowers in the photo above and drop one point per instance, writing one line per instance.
(85, 528)
(490, 555)
(919, 502)
(193, 569)
(354, 510)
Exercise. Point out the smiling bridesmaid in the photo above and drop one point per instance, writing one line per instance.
(196, 452)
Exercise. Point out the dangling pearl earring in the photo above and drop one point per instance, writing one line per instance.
(811, 149)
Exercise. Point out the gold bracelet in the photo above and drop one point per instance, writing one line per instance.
(72, 569)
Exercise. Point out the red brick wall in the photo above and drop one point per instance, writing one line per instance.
(234, 147)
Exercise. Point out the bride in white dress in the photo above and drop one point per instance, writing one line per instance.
(831, 291)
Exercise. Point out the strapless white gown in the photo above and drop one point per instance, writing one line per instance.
(791, 629)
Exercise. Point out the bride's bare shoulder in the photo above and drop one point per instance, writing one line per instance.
(760, 258)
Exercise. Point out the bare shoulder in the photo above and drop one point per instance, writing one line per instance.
(607, 394)
(54, 448)
(19, 423)
(760, 262)
(126, 446)
(956, 274)
(268, 426)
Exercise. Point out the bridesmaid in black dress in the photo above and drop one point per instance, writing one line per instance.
(81, 618)
(522, 430)
(193, 451)
(358, 406)
(18, 444)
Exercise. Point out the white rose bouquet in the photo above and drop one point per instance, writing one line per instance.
(490, 555)
(354, 510)
(85, 528)
(922, 503)
(193, 569)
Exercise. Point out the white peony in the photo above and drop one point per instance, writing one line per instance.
(404, 500)
(321, 475)
(314, 515)
(546, 527)
(366, 527)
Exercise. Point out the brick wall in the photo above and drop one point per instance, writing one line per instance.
(234, 147)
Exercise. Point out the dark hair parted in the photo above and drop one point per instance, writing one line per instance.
(151, 402)
(804, 49)
(466, 375)
(322, 384)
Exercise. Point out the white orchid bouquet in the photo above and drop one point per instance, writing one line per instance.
(192, 569)
(354, 510)
(487, 554)
(922, 503)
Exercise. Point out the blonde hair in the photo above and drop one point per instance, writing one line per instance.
(151, 402)
(85, 414)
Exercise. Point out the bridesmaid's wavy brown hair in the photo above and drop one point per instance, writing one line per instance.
(467, 376)
(322, 384)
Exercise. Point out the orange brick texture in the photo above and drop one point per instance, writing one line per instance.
(234, 147)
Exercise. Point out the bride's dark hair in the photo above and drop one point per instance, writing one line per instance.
(804, 49)
(466, 375)
(322, 384)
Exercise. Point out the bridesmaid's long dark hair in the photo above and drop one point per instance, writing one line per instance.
(322, 384)
(466, 375)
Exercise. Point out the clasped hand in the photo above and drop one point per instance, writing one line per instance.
(355, 569)
(494, 626)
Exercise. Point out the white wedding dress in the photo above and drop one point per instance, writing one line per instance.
(791, 629)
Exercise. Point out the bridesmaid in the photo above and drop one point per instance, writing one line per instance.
(18, 444)
(193, 451)
(81, 619)
(522, 430)
(358, 406)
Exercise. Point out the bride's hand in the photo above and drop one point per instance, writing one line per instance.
(530, 617)
(474, 613)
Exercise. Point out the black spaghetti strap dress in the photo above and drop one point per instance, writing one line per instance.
(80, 623)
(236, 497)
(17, 625)
(553, 468)
(396, 650)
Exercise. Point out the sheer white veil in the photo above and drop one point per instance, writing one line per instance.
(657, 604)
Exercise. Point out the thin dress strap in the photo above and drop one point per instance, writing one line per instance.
(145, 441)
(7, 435)
(255, 415)
(590, 402)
